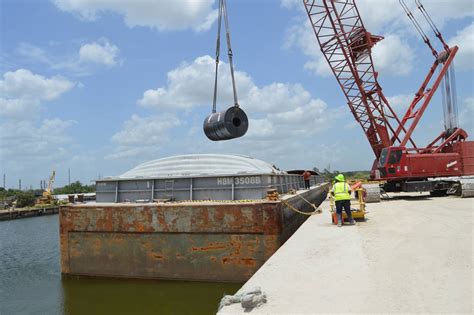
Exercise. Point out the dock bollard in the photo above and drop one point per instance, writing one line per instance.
(71, 198)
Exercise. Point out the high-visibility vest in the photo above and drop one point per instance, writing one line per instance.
(341, 191)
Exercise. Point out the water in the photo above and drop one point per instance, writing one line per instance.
(31, 283)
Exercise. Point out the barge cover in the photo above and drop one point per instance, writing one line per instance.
(199, 177)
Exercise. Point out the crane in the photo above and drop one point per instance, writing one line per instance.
(439, 167)
(47, 197)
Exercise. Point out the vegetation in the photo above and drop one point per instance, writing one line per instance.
(350, 175)
(26, 198)
(74, 188)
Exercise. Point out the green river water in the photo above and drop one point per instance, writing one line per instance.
(31, 282)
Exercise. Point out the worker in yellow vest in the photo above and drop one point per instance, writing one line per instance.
(342, 195)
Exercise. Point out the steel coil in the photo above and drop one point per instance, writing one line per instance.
(229, 124)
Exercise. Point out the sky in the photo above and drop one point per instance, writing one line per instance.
(100, 86)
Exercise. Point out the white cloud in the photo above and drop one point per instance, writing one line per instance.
(277, 112)
(23, 84)
(390, 16)
(17, 107)
(89, 58)
(162, 14)
(440, 11)
(192, 85)
(23, 135)
(277, 98)
(33, 139)
(466, 115)
(301, 36)
(22, 92)
(400, 101)
(142, 134)
(464, 59)
(393, 56)
(291, 4)
(33, 53)
(100, 52)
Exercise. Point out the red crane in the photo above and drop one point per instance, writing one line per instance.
(346, 45)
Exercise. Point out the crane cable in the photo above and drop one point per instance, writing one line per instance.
(432, 24)
(418, 27)
(223, 13)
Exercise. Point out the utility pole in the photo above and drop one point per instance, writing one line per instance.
(19, 184)
(4, 185)
(69, 175)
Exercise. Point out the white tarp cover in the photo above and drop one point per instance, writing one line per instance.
(200, 165)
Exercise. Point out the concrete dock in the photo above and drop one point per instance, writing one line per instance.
(413, 254)
(21, 213)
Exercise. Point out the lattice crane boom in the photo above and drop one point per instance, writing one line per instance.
(346, 46)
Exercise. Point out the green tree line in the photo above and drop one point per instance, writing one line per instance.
(74, 188)
(349, 175)
(26, 198)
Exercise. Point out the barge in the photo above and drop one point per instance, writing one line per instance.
(157, 234)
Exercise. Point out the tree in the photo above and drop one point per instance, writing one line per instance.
(25, 199)
(74, 188)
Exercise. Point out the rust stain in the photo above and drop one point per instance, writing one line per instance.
(158, 256)
(139, 227)
(245, 262)
(104, 222)
(161, 219)
(206, 248)
(202, 217)
(234, 252)
(219, 214)
(248, 262)
(228, 260)
(97, 246)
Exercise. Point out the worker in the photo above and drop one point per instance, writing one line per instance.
(342, 195)
(306, 177)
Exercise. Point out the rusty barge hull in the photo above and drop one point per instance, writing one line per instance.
(197, 241)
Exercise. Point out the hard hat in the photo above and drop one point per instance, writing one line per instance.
(339, 178)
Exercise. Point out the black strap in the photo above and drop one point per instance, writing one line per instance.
(223, 12)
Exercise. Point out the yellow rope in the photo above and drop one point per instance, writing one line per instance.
(275, 196)
(316, 211)
(311, 204)
(291, 207)
(216, 201)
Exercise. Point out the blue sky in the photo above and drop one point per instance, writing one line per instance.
(100, 86)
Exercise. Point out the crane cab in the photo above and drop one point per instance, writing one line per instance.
(392, 162)
(399, 163)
